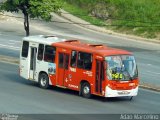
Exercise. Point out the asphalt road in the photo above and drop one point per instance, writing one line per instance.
(147, 54)
(19, 96)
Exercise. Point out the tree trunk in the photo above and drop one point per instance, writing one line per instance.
(26, 24)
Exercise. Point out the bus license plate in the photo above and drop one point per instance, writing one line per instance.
(123, 93)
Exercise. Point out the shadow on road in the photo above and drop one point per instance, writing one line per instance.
(18, 80)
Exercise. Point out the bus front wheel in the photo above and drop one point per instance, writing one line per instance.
(43, 81)
(86, 90)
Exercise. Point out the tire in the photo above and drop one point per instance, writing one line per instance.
(86, 90)
(43, 81)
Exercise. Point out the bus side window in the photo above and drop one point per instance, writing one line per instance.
(73, 59)
(25, 48)
(84, 61)
(49, 54)
(40, 52)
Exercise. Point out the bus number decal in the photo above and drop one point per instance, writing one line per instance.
(89, 73)
(72, 69)
(73, 86)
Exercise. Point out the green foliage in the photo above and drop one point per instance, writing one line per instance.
(34, 8)
(140, 17)
(83, 14)
(43, 8)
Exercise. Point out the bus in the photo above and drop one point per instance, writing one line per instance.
(90, 69)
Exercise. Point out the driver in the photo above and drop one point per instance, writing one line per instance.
(115, 68)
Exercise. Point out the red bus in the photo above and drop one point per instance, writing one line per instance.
(87, 68)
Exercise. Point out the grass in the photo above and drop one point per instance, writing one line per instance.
(81, 13)
(138, 17)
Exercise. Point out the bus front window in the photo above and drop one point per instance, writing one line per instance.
(121, 67)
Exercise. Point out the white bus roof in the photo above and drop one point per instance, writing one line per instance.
(44, 39)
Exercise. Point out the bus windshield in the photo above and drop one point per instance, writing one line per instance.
(121, 67)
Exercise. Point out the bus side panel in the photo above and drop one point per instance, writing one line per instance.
(24, 67)
(24, 60)
(52, 79)
(41, 67)
(73, 78)
(77, 75)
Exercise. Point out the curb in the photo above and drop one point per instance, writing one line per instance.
(150, 87)
(87, 25)
(13, 60)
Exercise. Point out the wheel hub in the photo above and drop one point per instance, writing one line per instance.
(86, 89)
(43, 81)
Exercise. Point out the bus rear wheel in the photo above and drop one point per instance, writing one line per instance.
(86, 90)
(43, 81)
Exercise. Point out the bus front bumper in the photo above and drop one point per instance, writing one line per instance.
(120, 93)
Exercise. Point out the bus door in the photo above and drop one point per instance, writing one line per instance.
(99, 76)
(63, 63)
(24, 57)
(33, 54)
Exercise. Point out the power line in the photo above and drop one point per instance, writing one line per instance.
(113, 25)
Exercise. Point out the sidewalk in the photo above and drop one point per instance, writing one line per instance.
(8, 24)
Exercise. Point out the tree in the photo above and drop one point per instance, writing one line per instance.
(31, 9)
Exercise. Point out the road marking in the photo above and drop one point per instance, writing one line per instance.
(75, 36)
(11, 43)
(15, 41)
(150, 75)
(153, 72)
(9, 47)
